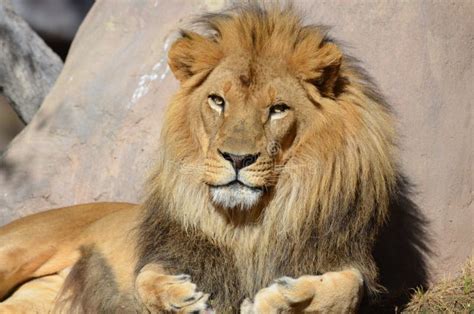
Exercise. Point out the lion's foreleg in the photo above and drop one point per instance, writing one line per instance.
(332, 292)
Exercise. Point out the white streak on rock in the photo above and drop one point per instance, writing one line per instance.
(158, 71)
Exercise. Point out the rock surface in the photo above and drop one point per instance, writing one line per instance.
(95, 135)
(28, 67)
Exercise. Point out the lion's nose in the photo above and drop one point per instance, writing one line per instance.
(240, 161)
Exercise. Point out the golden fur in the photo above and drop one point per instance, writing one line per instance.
(325, 168)
(47, 242)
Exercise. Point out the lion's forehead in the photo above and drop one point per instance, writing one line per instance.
(260, 68)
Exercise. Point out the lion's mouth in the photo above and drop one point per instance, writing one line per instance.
(237, 183)
(236, 194)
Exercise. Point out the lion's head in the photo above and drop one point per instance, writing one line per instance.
(276, 132)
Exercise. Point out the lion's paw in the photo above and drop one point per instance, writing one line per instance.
(286, 294)
(160, 292)
(332, 292)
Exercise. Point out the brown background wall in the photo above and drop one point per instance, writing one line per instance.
(94, 137)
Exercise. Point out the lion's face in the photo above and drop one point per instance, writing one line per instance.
(251, 110)
(250, 115)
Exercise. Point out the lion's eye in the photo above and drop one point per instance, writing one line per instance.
(216, 103)
(278, 111)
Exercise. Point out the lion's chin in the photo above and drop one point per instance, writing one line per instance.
(235, 196)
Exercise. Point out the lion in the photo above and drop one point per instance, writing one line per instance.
(276, 168)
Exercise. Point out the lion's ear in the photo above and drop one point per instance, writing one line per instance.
(318, 65)
(192, 54)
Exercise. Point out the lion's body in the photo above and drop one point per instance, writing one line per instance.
(227, 208)
(49, 242)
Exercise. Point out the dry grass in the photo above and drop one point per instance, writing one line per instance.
(455, 295)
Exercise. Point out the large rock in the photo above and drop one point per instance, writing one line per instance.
(95, 137)
(28, 67)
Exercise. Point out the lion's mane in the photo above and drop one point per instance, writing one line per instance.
(332, 195)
